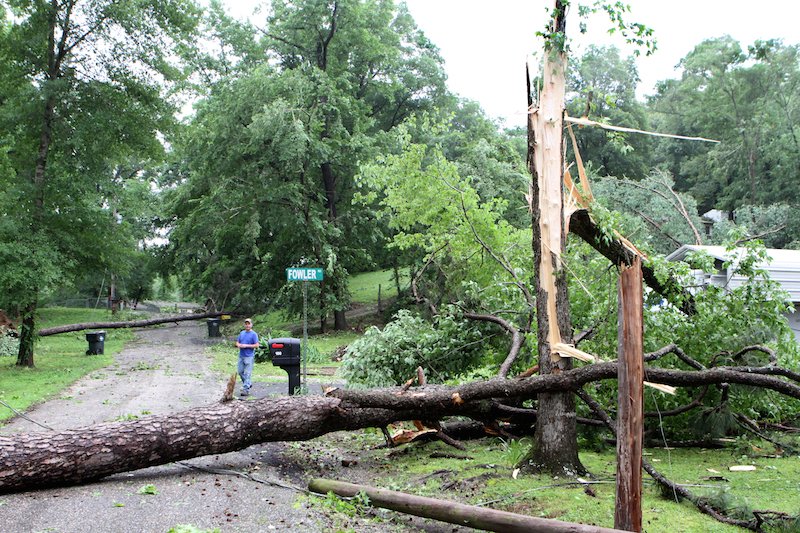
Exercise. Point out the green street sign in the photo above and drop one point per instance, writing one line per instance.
(304, 274)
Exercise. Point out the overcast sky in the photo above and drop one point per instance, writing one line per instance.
(485, 43)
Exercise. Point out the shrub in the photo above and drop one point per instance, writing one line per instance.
(445, 349)
(9, 346)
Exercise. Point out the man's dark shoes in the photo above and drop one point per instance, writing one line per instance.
(245, 393)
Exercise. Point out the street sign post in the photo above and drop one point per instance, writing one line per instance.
(305, 275)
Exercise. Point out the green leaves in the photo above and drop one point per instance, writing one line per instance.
(740, 98)
(445, 349)
(272, 153)
(149, 490)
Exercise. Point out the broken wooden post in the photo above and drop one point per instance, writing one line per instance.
(630, 397)
(451, 512)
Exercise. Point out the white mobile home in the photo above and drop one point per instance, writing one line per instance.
(783, 267)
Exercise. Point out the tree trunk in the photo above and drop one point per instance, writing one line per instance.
(339, 320)
(38, 460)
(337, 282)
(27, 336)
(55, 55)
(470, 516)
(56, 330)
(555, 447)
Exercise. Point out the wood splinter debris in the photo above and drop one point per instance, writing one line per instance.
(663, 388)
(568, 350)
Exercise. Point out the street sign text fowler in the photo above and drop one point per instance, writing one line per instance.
(304, 274)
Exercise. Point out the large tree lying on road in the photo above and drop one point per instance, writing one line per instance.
(44, 459)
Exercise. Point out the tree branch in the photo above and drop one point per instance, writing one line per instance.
(668, 485)
(582, 225)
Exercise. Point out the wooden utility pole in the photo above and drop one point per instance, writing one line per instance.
(630, 399)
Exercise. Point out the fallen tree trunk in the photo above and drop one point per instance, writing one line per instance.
(452, 512)
(46, 332)
(38, 460)
(443, 397)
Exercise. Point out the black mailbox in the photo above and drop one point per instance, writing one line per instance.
(285, 353)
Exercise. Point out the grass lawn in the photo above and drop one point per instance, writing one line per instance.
(484, 477)
(60, 360)
(364, 287)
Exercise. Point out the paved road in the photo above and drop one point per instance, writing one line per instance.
(164, 371)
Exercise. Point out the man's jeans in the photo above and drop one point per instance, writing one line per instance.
(246, 370)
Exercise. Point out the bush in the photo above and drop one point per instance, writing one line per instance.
(9, 346)
(445, 349)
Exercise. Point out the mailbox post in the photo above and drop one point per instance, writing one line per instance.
(285, 353)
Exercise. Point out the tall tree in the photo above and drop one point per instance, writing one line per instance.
(747, 99)
(84, 88)
(339, 72)
(555, 440)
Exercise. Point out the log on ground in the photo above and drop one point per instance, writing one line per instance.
(68, 328)
(452, 512)
(38, 460)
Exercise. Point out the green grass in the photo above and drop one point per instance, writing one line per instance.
(486, 479)
(60, 360)
(364, 287)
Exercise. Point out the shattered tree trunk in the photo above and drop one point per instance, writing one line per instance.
(630, 400)
(46, 459)
(555, 446)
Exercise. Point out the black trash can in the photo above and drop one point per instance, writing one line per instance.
(213, 327)
(96, 340)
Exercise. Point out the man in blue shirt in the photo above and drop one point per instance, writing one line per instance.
(247, 342)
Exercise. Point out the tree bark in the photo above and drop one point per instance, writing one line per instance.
(39, 460)
(46, 332)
